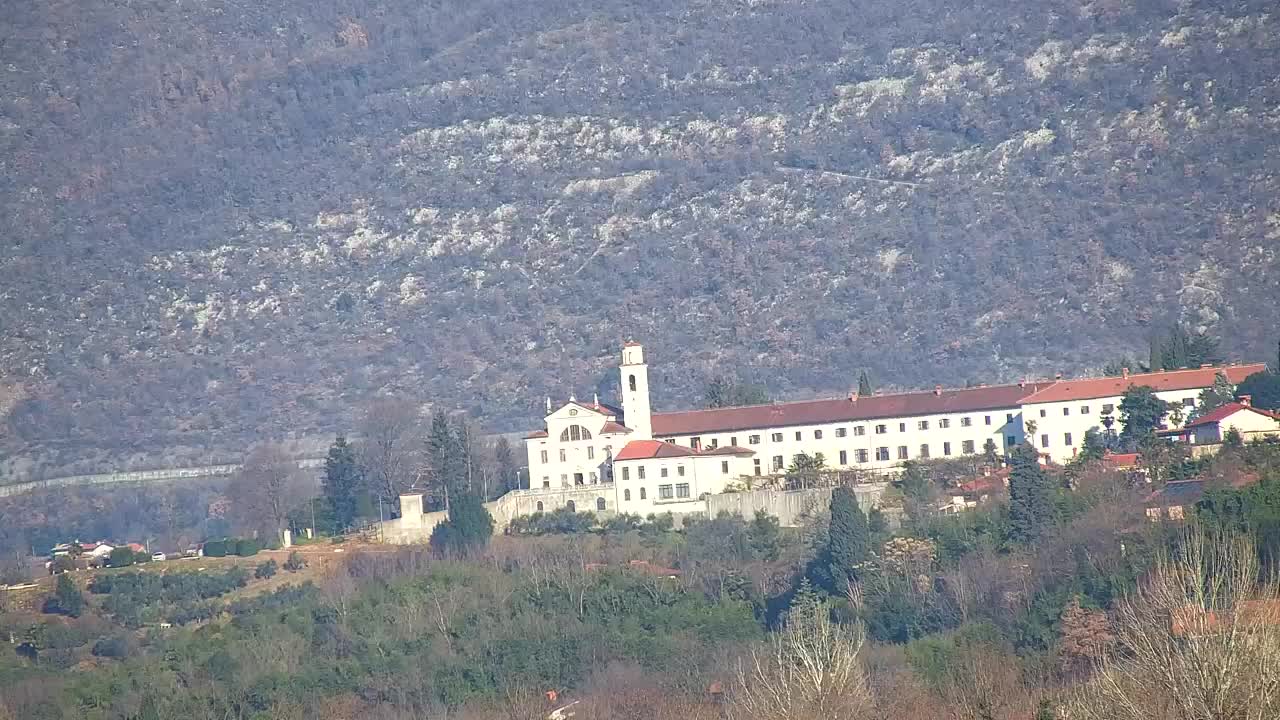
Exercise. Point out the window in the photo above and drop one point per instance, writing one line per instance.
(902, 427)
(860, 455)
(987, 418)
(626, 495)
(777, 462)
(1066, 411)
(946, 448)
(578, 479)
(1044, 440)
(799, 436)
(1188, 402)
(561, 454)
(754, 439)
(626, 473)
(1176, 513)
(631, 382)
(776, 437)
(967, 447)
(844, 457)
(600, 505)
(756, 464)
(715, 443)
(923, 425)
(882, 429)
(680, 470)
(539, 506)
(966, 422)
(571, 506)
(695, 442)
(664, 492)
(841, 432)
(642, 494)
(682, 490)
(944, 423)
(902, 452)
(575, 432)
(924, 451)
(1084, 409)
(859, 431)
(1066, 439)
(1108, 408)
(591, 453)
(594, 478)
(817, 434)
(544, 457)
(564, 479)
(724, 467)
(882, 453)
(1044, 412)
(640, 474)
(662, 472)
(734, 441)
(546, 481)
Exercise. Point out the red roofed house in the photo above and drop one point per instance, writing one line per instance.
(1066, 409)
(1249, 421)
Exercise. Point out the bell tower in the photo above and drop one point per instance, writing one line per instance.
(634, 382)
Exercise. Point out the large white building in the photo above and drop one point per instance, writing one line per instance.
(643, 462)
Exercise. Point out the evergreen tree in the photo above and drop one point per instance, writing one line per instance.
(1030, 495)
(723, 392)
(864, 384)
(848, 542)
(506, 462)
(66, 599)
(1215, 396)
(990, 451)
(341, 479)
(448, 465)
(1095, 446)
(1263, 390)
(1141, 413)
(469, 527)
(1154, 361)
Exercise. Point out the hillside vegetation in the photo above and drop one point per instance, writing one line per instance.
(225, 219)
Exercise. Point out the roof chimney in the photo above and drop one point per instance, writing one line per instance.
(1124, 372)
(937, 389)
(1206, 365)
(548, 404)
(595, 399)
(853, 396)
(1057, 376)
(1246, 400)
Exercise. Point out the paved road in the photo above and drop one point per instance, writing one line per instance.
(140, 476)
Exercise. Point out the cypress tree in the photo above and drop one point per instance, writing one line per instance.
(848, 541)
(864, 384)
(1030, 495)
(341, 478)
(469, 526)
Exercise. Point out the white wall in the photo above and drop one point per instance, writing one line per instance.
(1055, 420)
(703, 474)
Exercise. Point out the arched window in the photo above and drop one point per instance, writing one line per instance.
(626, 495)
(572, 506)
(539, 506)
(641, 493)
(575, 432)
(632, 382)
(600, 504)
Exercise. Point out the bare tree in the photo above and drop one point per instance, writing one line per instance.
(391, 451)
(1198, 639)
(267, 486)
(810, 670)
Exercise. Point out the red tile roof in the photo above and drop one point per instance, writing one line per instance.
(1091, 388)
(1223, 412)
(649, 449)
(536, 434)
(728, 450)
(613, 427)
(1120, 461)
(812, 412)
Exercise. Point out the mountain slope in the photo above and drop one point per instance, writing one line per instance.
(230, 221)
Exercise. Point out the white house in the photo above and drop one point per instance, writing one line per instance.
(1250, 422)
(1057, 417)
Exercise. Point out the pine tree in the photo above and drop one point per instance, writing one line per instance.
(848, 541)
(1154, 362)
(67, 599)
(341, 479)
(1141, 413)
(505, 460)
(864, 385)
(448, 464)
(469, 527)
(1030, 495)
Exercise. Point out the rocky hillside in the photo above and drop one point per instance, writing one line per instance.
(228, 220)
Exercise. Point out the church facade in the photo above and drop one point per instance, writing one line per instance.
(633, 460)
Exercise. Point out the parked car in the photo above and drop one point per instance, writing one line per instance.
(159, 556)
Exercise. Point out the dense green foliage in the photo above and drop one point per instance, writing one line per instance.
(1031, 495)
(341, 482)
(66, 599)
(468, 527)
(1141, 414)
(848, 542)
(138, 598)
(1263, 389)
(723, 392)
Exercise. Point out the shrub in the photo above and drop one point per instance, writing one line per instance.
(215, 548)
(141, 557)
(295, 562)
(246, 547)
(118, 646)
(266, 570)
(66, 598)
(120, 557)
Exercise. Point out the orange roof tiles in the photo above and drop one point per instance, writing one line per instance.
(1091, 388)
(649, 449)
(1225, 411)
(812, 412)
